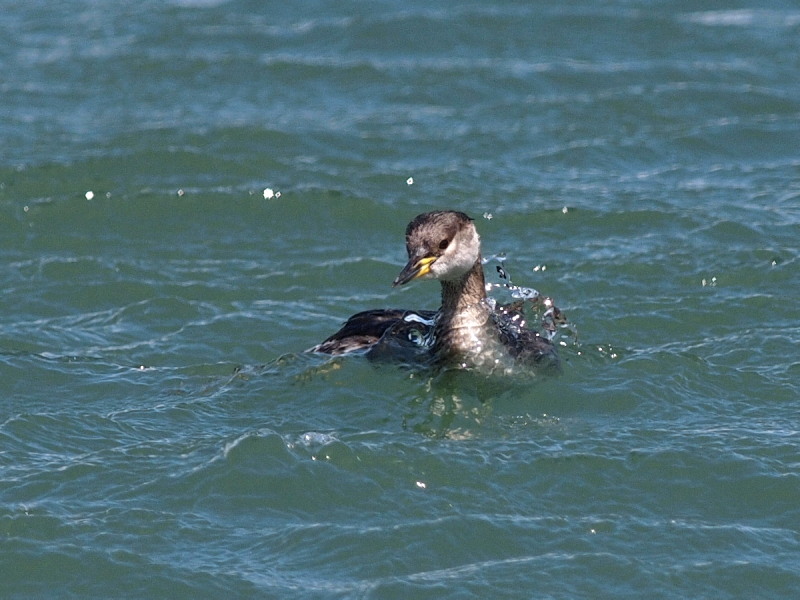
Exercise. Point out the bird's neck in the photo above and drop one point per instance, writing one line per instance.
(460, 333)
(459, 295)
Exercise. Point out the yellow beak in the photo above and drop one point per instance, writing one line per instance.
(415, 269)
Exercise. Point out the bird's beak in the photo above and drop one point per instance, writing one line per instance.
(415, 268)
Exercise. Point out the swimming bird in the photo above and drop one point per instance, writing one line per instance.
(468, 330)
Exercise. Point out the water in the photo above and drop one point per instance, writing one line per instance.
(163, 435)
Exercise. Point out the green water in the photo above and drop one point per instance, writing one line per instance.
(162, 433)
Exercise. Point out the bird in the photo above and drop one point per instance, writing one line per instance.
(469, 330)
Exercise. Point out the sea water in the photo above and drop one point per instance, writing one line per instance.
(194, 191)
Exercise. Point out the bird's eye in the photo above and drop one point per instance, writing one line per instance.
(443, 244)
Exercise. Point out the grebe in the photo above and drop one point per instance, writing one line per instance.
(467, 331)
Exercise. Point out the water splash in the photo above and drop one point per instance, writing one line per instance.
(552, 318)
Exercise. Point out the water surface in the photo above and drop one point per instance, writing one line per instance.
(161, 430)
